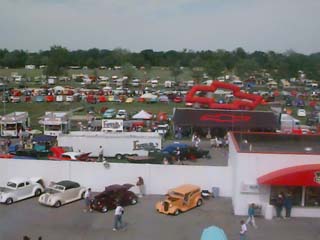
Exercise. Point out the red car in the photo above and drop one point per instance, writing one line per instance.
(178, 99)
(112, 195)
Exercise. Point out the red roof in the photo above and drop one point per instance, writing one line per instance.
(304, 175)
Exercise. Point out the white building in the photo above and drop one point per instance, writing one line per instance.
(266, 164)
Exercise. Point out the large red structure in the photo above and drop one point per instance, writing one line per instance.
(243, 101)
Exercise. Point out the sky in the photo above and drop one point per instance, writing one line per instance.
(161, 25)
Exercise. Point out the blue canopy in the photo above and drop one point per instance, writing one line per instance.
(44, 138)
(213, 233)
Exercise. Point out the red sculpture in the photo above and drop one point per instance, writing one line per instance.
(244, 101)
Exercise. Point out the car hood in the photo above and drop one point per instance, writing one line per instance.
(4, 190)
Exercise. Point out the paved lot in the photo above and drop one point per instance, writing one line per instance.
(142, 223)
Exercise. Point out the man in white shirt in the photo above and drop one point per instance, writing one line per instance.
(87, 199)
(243, 230)
(118, 217)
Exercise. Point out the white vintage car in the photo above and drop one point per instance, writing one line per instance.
(20, 188)
(61, 193)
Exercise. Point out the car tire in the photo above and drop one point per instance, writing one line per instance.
(57, 204)
(199, 202)
(104, 209)
(82, 195)
(177, 212)
(118, 156)
(134, 201)
(9, 201)
(37, 193)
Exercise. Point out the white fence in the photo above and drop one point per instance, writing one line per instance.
(158, 178)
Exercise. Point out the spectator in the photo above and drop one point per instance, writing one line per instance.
(140, 184)
(178, 155)
(118, 213)
(288, 204)
(197, 142)
(251, 213)
(100, 157)
(243, 230)
(279, 205)
(87, 199)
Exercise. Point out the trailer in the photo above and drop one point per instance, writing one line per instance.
(13, 123)
(55, 123)
(289, 124)
(116, 145)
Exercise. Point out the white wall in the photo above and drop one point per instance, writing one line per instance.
(158, 178)
(247, 167)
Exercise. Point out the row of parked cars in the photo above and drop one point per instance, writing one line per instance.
(179, 199)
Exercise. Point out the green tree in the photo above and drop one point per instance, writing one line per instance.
(58, 60)
(175, 71)
(246, 67)
(197, 74)
(129, 71)
(215, 68)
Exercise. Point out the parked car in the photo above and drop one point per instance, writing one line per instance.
(180, 199)
(187, 152)
(110, 113)
(301, 113)
(113, 194)
(62, 193)
(122, 114)
(19, 188)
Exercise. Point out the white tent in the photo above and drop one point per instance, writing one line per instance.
(57, 89)
(148, 96)
(142, 115)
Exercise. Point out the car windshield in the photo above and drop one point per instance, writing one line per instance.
(11, 185)
(58, 187)
(173, 193)
(50, 190)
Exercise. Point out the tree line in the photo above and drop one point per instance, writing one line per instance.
(214, 63)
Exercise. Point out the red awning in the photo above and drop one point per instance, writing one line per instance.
(304, 175)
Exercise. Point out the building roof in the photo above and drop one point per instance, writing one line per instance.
(277, 143)
(186, 188)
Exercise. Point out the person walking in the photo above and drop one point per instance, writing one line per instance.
(251, 213)
(197, 142)
(288, 204)
(178, 155)
(118, 213)
(87, 200)
(279, 205)
(140, 184)
(100, 158)
(243, 230)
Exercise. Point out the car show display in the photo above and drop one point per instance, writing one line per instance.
(18, 189)
(112, 195)
(180, 199)
(60, 193)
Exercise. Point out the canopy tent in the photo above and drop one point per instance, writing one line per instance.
(142, 115)
(58, 89)
(213, 232)
(44, 138)
(149, 96)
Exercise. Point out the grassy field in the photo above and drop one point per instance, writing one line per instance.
(162, 73)
(36, 110)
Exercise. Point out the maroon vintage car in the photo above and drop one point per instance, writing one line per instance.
(113, 194)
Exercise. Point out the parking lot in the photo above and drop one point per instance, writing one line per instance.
(142, 222)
